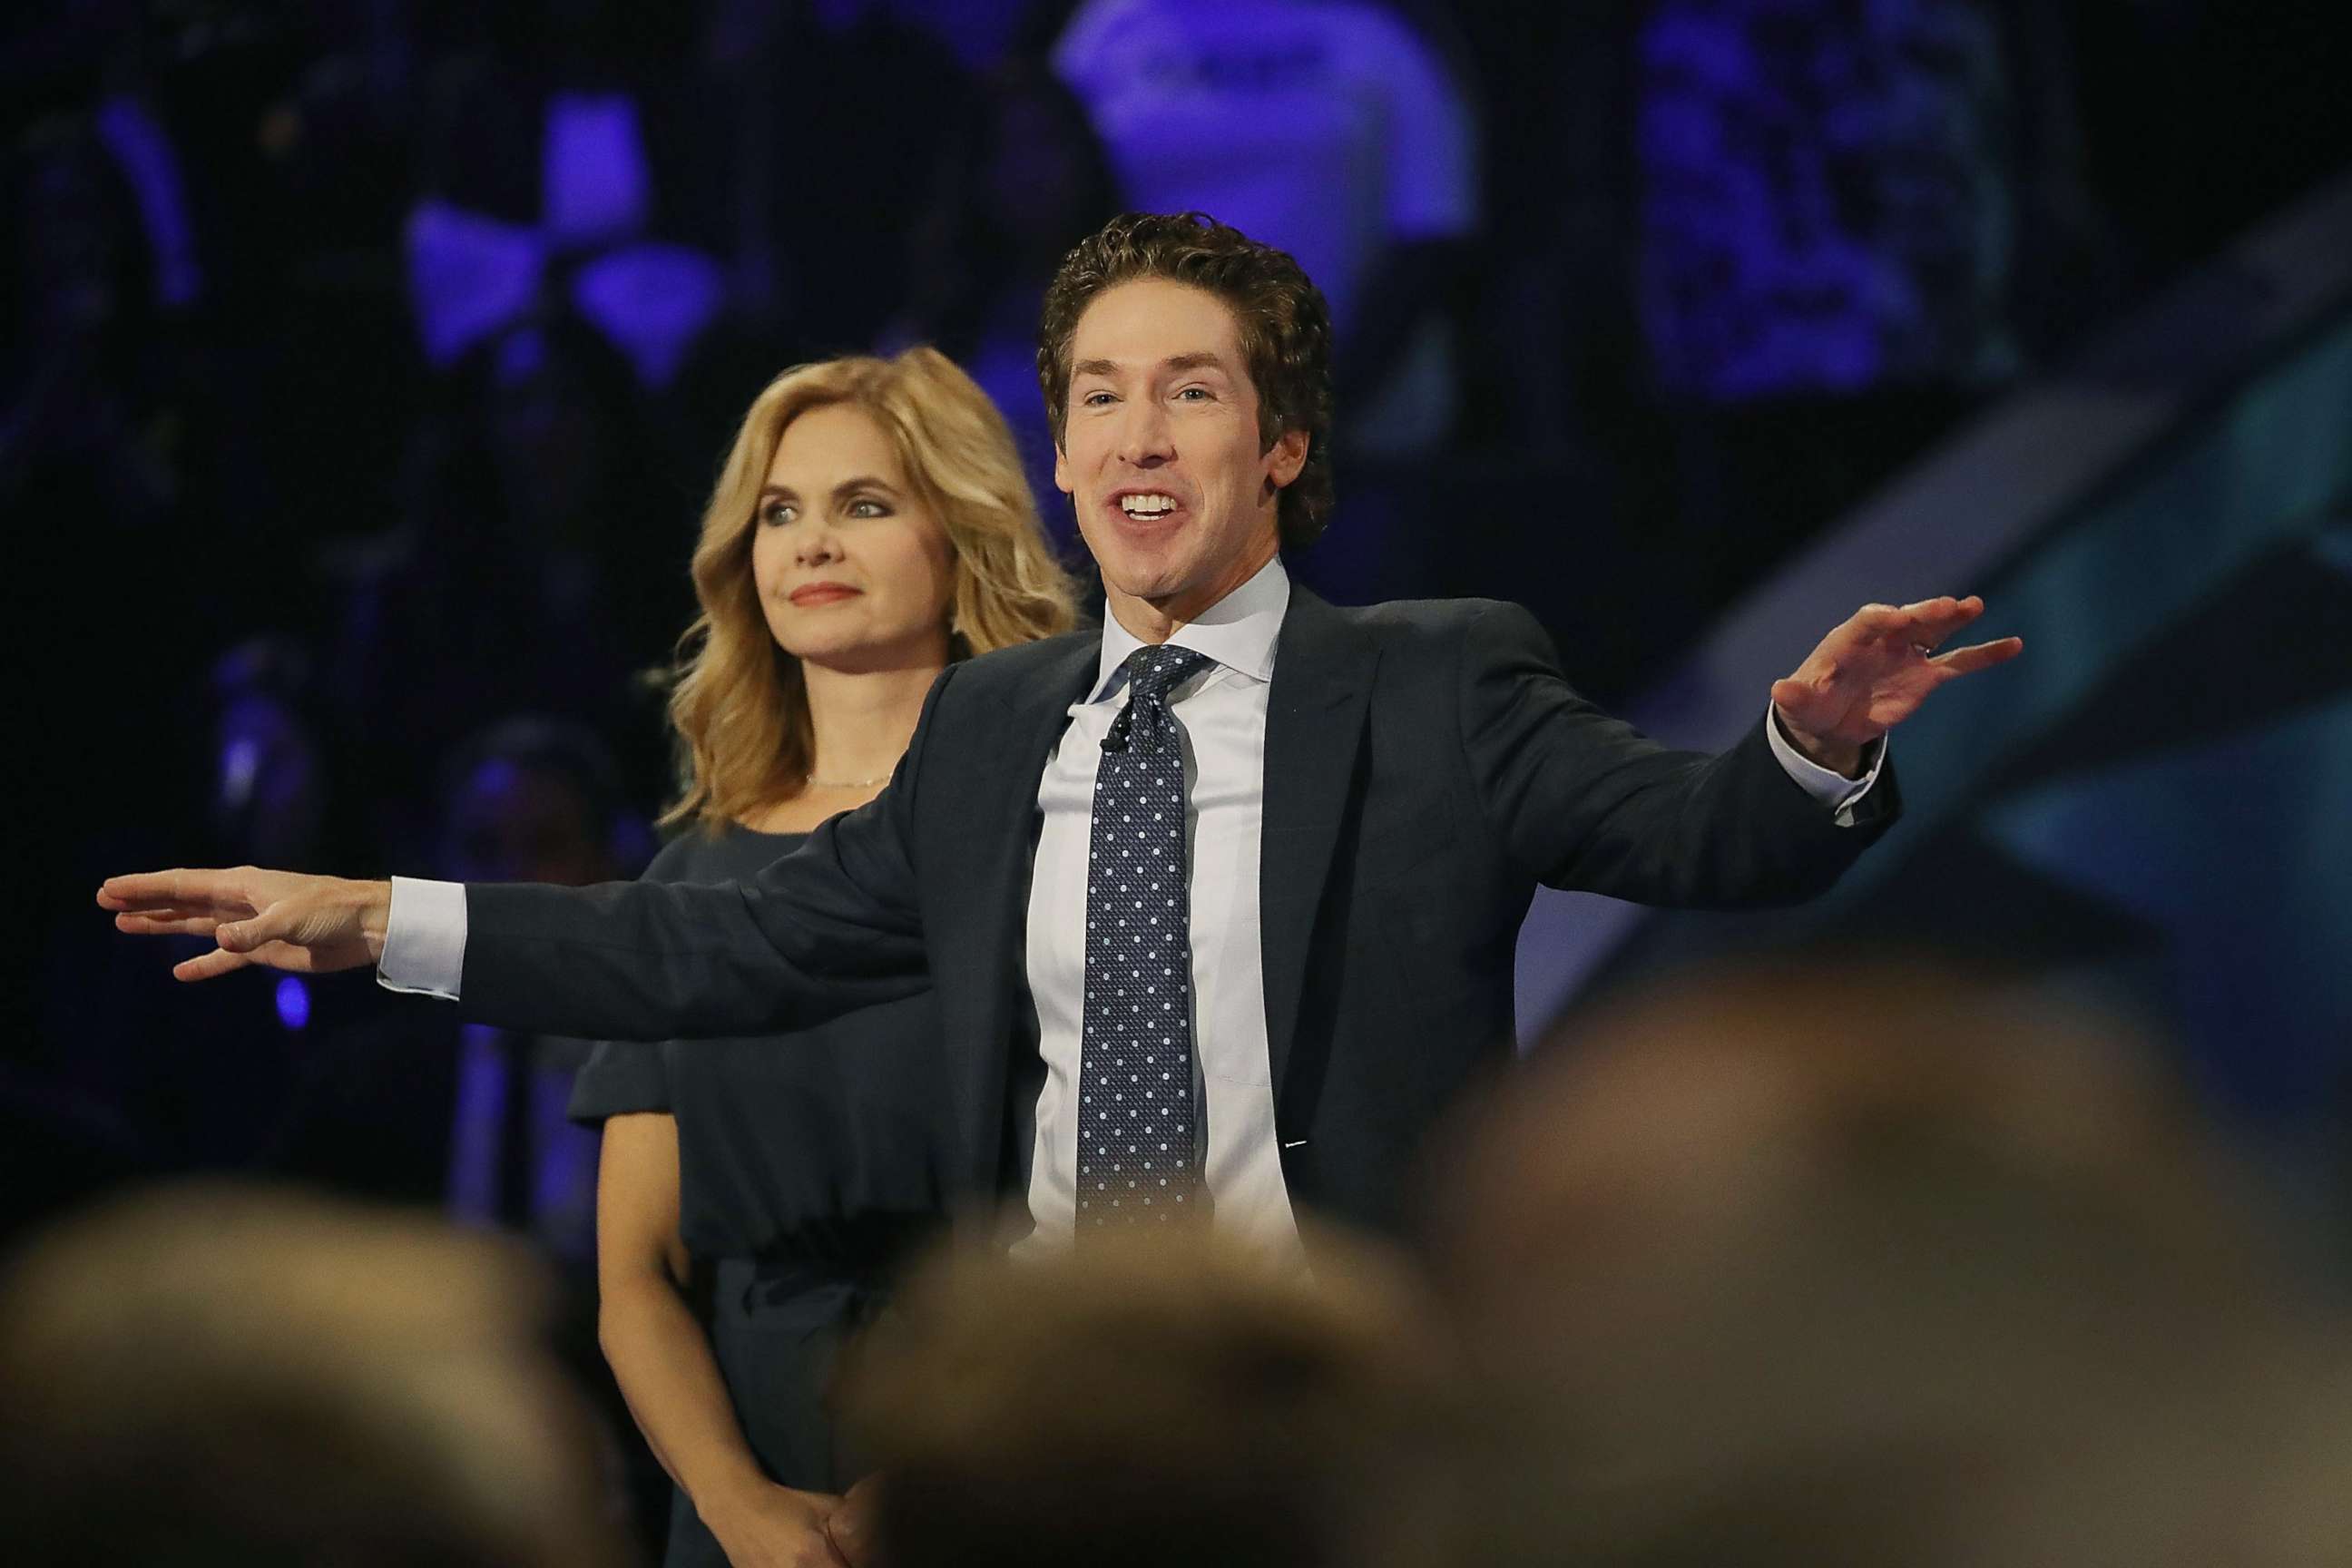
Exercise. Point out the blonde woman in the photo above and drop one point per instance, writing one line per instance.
(871, 524)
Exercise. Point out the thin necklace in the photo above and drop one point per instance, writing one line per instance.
(849, 783)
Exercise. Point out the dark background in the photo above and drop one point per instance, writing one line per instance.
(367, 362)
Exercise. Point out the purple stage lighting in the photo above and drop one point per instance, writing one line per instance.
(293, 1001)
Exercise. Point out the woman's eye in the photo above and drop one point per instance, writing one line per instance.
(777, 513)
(868, 508)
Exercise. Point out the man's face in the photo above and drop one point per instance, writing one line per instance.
(1159, 453)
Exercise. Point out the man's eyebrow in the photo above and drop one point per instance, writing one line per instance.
(1197, 359)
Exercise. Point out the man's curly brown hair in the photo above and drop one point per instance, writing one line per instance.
(1284, 330)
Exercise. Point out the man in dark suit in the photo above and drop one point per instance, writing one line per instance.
(1352, 807)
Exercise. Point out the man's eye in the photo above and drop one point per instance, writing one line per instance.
(1197, 393)
(1095, 399)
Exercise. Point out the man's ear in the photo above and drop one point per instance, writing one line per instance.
(1062, 470)
(1287, 456)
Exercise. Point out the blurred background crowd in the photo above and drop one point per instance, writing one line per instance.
(368, 362)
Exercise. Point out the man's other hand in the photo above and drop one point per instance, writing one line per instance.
(280, 919)
(1874, 671)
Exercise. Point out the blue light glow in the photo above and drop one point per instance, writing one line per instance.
(293, 1001)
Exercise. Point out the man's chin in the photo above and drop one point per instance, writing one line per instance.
(1150, 584)
(1153, 588)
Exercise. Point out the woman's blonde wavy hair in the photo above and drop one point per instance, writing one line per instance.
(737, 700)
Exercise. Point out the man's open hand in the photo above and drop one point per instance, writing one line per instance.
(1872, 672)
(280, 919)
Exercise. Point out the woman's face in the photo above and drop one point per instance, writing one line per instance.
(855, 572)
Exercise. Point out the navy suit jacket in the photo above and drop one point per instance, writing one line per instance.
(1426, 767)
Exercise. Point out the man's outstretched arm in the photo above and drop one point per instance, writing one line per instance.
(833, 926)
(827, 929)
(1585, 801)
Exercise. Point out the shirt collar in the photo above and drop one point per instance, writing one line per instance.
(1238, 631)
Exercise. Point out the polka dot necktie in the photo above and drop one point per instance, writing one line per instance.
(1135, 1051)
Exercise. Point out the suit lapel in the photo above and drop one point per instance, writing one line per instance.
(1314, 730)
(1002, 809)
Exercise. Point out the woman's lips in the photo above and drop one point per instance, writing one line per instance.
(821, 594)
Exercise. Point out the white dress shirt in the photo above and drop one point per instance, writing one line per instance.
(1220, 713)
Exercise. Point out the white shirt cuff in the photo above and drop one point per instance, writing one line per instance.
(1829, 786)
(424, 940)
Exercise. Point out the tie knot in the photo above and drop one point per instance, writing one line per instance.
(1150, 673)
(1153, 672)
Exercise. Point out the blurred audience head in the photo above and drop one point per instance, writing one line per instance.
(221, 1375)
(533, 799)
(1044, 175)
(268, 802)
(959, 560)
(561, 410)
(1145, 1401)
(1278, 313)
(80, 275)
(1029, 181)
(1827, 1267)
